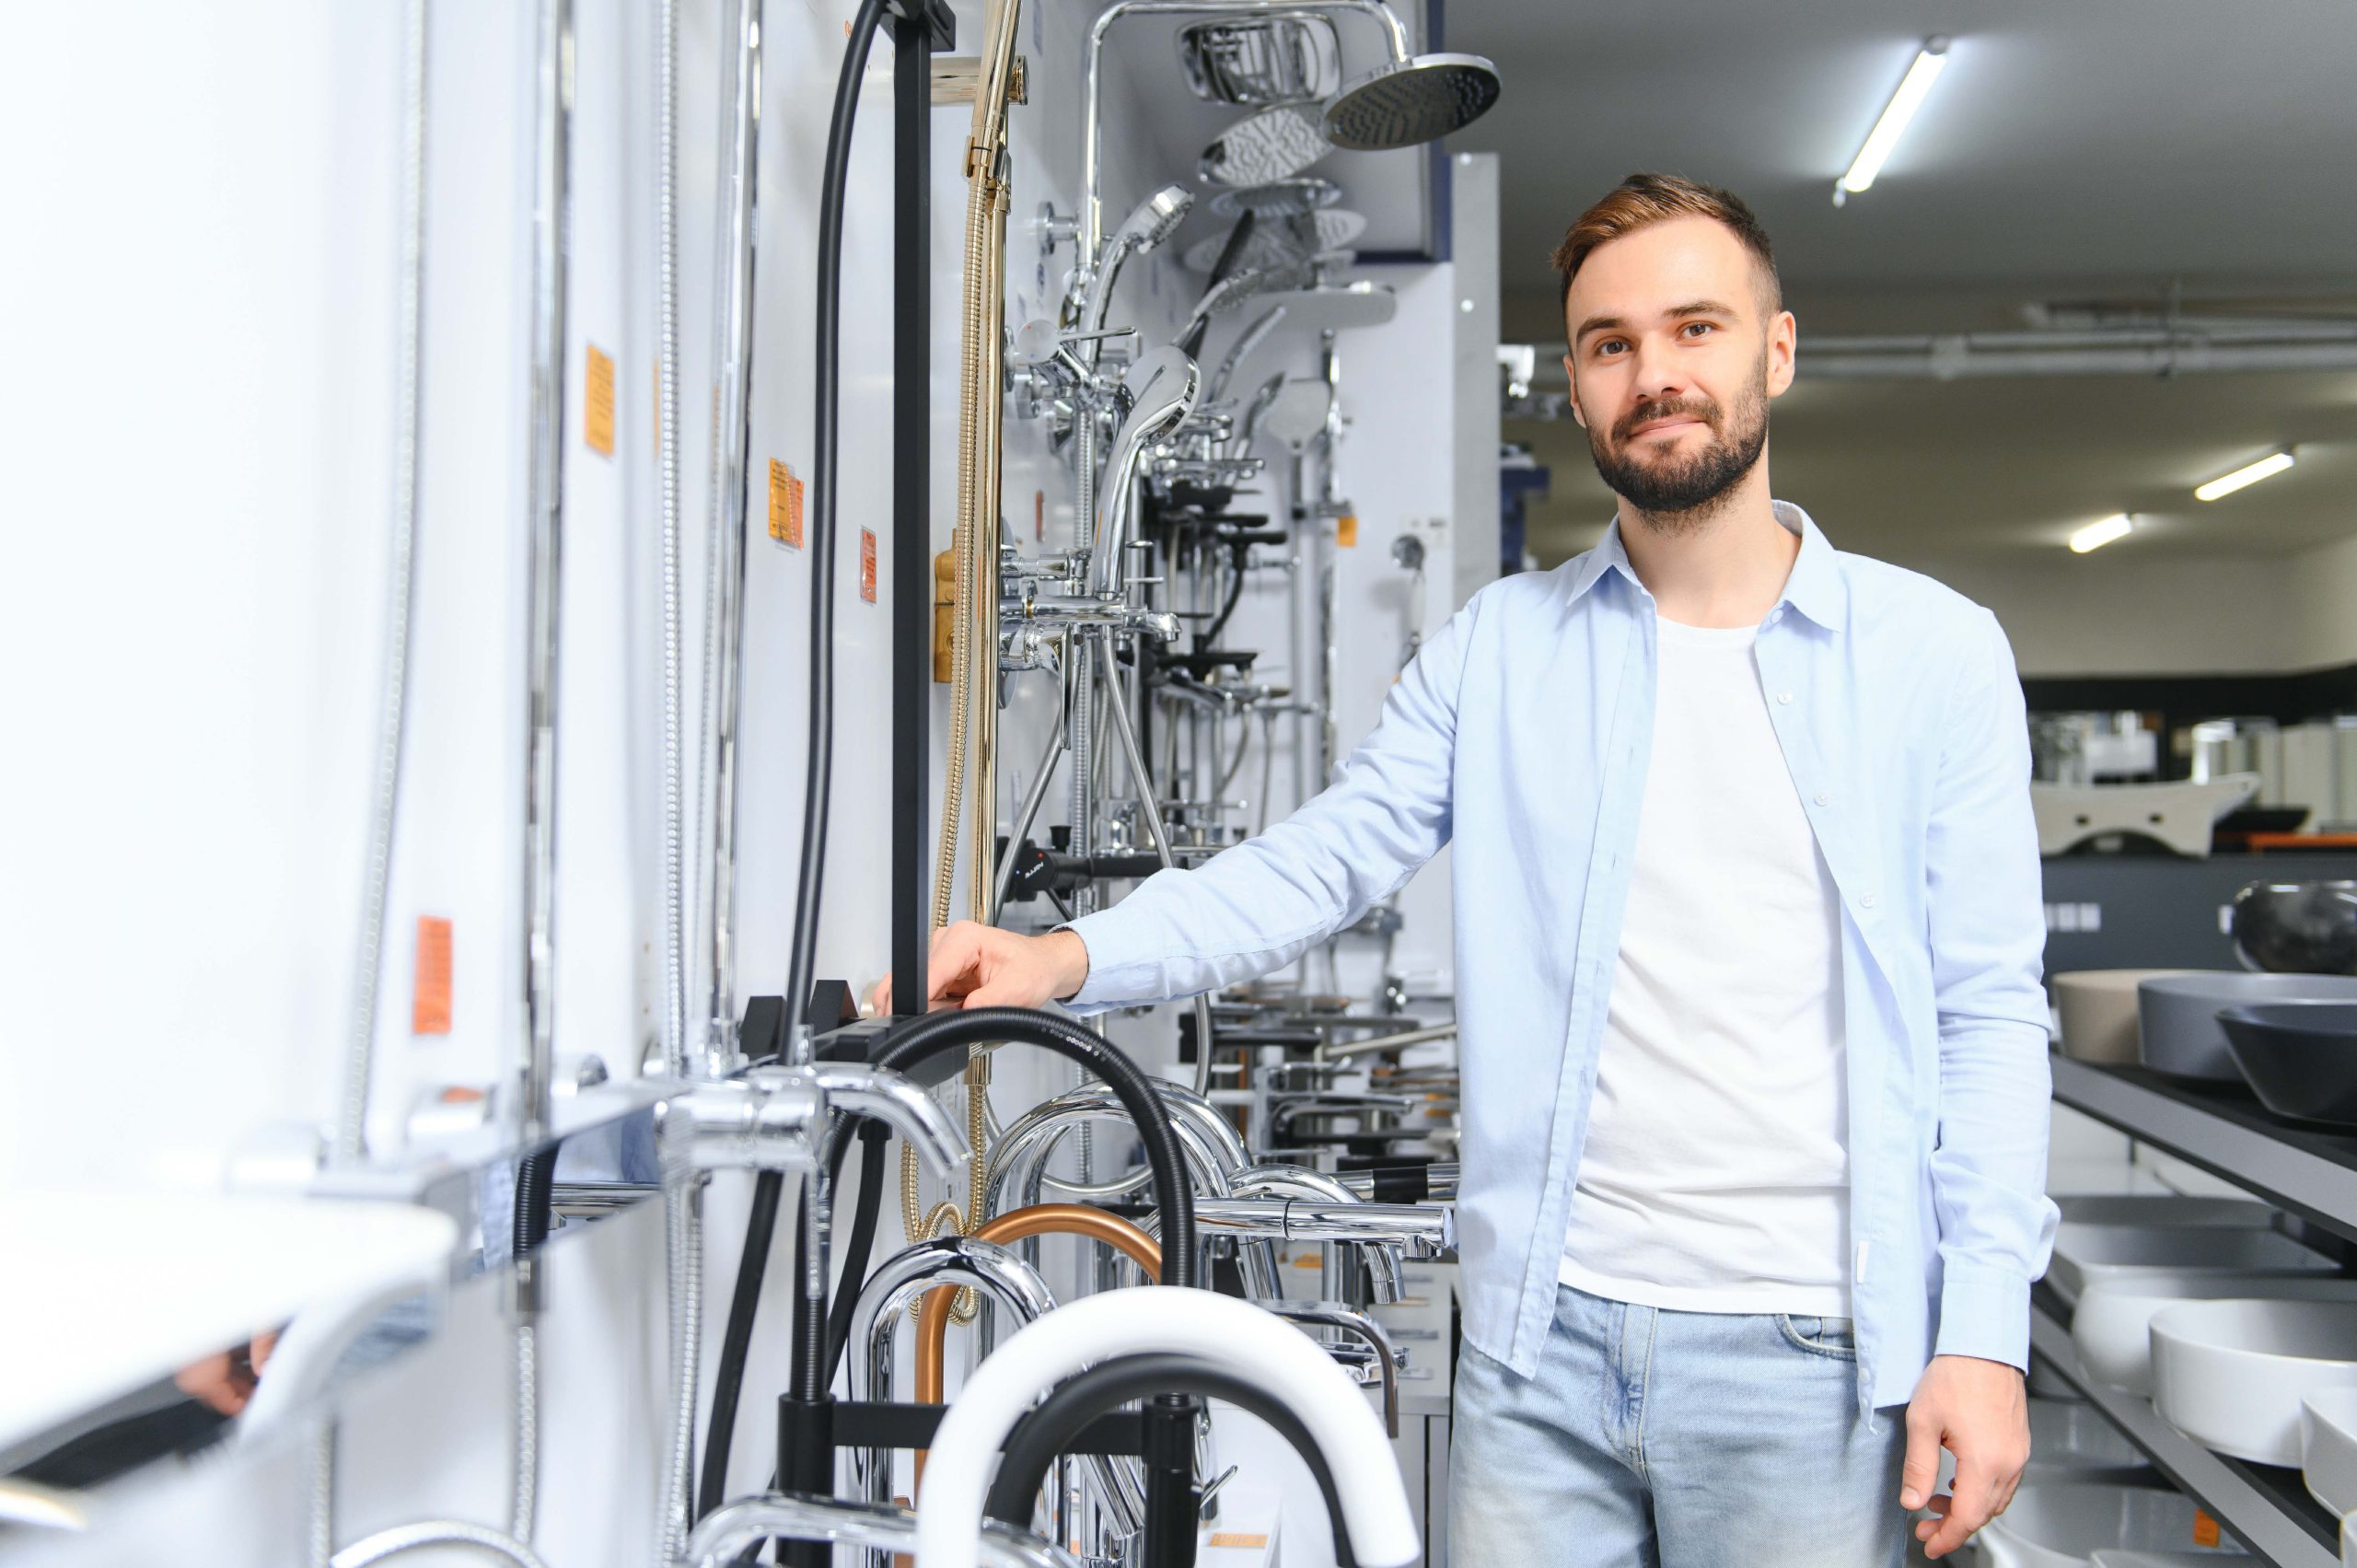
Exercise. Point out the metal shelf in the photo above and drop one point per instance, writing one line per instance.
(2274, 1518)
(2223, 1129)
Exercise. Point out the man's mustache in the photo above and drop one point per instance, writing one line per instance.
(1663, 413)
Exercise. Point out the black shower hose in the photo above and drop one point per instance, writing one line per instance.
(1048, 1427)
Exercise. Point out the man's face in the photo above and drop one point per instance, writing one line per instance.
(1673, 358)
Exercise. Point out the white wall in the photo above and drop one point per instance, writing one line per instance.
(2113, 614)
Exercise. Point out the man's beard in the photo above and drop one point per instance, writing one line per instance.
(1679, 491)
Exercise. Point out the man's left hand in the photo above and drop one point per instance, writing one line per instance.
(1978, 1411)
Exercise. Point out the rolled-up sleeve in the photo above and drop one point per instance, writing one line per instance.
(1260, 905)
(1988, 940)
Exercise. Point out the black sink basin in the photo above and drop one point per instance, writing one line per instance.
(2300, 1058)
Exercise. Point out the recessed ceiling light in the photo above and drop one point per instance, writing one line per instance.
(2249, 473)
(1883, 139)
(2095, 536)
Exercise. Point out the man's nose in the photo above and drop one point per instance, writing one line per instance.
(1658, 376)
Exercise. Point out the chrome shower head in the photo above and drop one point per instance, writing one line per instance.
(1154, 221)
(1271, 145)
(1160, 390)
(1412, 101)
(1285, 240)
(1279, 198)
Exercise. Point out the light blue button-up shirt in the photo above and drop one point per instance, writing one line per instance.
(1521, 734)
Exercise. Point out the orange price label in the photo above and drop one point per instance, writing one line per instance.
(867, 564)
(786, 506)
(597, 403)
(429, 1008)
(2205, 1528)
(1346, 530)
(1236, 1538)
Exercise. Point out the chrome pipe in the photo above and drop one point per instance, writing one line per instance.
(428, 1533)
(529, 1115)
(1150, 812)
(1382, 1260)
(1430, 1227)
(1334, 1315)
(732, 361)
(1334, 1051)
(1440, 1180)
(1032, 800)
(392, 698)
(733, 1527)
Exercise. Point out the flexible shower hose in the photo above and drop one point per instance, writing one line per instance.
(973, 700)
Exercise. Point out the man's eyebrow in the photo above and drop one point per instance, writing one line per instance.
(1691, 308)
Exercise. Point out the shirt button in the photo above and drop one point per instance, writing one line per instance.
(1824, 800)
(1783, 696)
(1866, 901)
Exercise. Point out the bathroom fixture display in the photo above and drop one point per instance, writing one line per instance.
(1280, 57)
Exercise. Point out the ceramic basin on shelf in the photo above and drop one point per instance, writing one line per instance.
(2231, 1375)
(2061, 1523)
(2098, 1012)
(2328, 1449)
(2301, 1060)
(2112, 1327)
(2176, 1015)
(2084, 1254)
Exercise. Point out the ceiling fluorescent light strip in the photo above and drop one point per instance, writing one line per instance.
(2095, 536)
(2249, 474)
(1884, 138)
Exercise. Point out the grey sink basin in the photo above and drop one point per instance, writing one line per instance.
(2178, 1014)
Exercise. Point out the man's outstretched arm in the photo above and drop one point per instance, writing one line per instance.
(1256, 907)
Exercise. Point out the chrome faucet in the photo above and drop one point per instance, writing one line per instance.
(1011, 1284)
(1382, 1259)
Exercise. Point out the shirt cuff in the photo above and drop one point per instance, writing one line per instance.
(1984, 1312)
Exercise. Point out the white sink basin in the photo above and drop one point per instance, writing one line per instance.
(2230, 1374)
(2155, 1559)
(2085, 1253)
(2328, 1449)
(2111, 1328)
(2063, 1524)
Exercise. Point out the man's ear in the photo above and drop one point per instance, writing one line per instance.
(1783, 344)
(1575, 403)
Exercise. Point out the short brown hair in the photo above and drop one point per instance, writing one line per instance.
(1644, 200)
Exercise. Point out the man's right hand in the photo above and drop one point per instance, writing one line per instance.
(973, 965)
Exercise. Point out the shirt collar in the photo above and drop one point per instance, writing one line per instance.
(1816, 588)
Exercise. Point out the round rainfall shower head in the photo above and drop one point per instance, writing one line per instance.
(1412, 101)
(1270, 146)
(1279, 198)
(1294, 239)
(1337, 308)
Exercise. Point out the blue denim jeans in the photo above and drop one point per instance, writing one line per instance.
(1660, 1439)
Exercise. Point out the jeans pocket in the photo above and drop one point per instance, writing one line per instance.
(1836, 1337)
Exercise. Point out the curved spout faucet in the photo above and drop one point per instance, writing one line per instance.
(900, 1279)
(1224, 1331)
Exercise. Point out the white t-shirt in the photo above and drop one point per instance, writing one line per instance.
(1715, 1173)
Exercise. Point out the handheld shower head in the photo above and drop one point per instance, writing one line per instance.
(1407, 103)
(1154, 221)
(1160, 389)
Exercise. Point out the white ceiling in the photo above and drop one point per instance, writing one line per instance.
(2080, 150)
